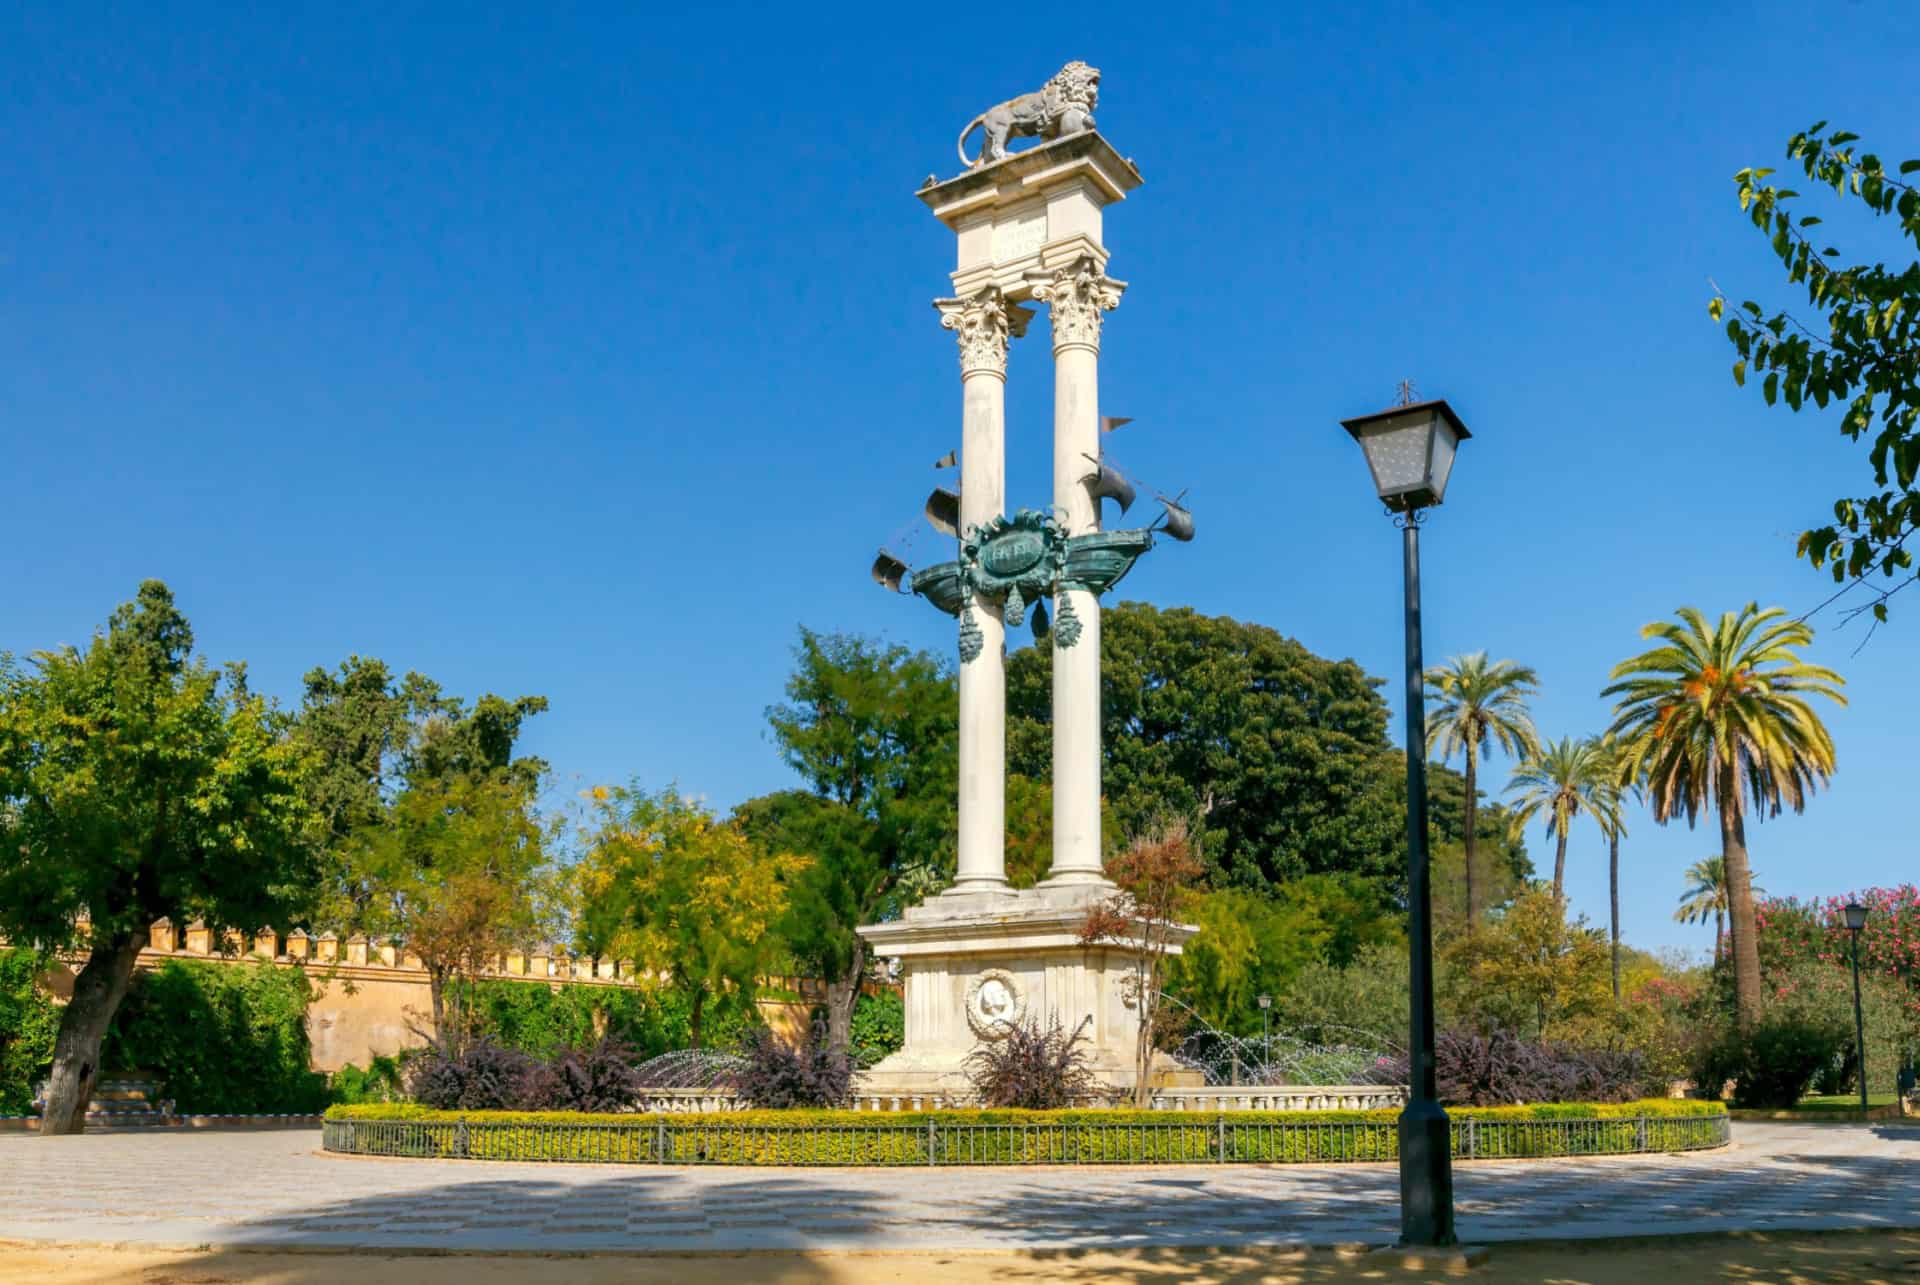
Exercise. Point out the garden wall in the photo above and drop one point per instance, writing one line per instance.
(370, 998)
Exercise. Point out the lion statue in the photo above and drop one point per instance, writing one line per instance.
(1064, 105)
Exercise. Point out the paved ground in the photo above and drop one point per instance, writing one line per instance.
(276, 1188)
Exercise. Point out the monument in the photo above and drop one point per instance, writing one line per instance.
(983, 956)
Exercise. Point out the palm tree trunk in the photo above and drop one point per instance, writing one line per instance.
(1560, 862)
(1719, 934)
(1613, 888)
(1472, 820)
(1741, 926)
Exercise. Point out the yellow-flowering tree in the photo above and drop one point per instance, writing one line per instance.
(683, 893)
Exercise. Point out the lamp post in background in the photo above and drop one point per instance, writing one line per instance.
(1266, 1041)
(1410, 451)
(1856, 920)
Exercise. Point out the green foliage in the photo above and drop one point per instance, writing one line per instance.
(1282, 756)
(1250, 945)
(1278, 757)
(1363, 1004)
(540, 1020)
(222, 1038)
(458, 870)
(28, 1020)
(1560, 781)
(1529, 970)
(138, 783)
(1720, 714)
(879, 1027)
(691, 898)
(828, 1137)
(378, 1081)
(1862, 356)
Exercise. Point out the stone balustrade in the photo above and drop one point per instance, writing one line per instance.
(1296, 1097)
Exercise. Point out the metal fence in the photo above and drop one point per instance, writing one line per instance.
(933, 1141)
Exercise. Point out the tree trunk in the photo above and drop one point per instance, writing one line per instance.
(1613, 889)
(694, 1011)
(1741, 927)
(843, 993)
(97, 992)
(1719, 934)
(1560, 862)
(1473, 810)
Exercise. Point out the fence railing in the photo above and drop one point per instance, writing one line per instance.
(661, 1139)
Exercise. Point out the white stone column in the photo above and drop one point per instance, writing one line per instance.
(1076, 297)
(983, 323)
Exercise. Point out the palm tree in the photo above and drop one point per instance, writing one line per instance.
(1473, 701)
(1615, 785)
(1717, 715)
(1562, 780)
(1706, 895)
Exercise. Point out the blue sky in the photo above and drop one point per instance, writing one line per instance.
(586, 350)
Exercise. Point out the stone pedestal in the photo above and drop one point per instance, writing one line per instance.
(974, 963)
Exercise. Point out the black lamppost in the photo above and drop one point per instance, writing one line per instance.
(1856, 920)
(1266, 1041)
(1410, 450)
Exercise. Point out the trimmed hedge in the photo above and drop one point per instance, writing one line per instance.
(808, 1137)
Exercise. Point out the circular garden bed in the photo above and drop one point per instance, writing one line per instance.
(810, 1137)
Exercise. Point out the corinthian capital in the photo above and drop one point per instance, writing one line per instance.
(983, 323)
(1076, 296)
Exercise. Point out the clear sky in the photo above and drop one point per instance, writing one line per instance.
(586, 350)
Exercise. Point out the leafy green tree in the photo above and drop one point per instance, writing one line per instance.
(137, 783)
(1862, 355)
(1278, 756)
(1533, 970)
(1474, 703)
(457, 869)
(688, 896)
(1251, 944)
(1718, 715)
(1559, 781)
(872, 729)
(433, 838)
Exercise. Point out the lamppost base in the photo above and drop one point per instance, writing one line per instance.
(1451, 1260)
(1426, 1176)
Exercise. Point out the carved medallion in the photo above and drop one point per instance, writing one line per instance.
(995, 1004)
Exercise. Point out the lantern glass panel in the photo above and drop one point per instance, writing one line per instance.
(1397, 452)
(1445, 440)
(1856, 916)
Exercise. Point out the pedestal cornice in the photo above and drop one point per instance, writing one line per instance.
(1077, 156)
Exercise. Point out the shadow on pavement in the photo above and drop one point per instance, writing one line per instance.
(1848, 1258)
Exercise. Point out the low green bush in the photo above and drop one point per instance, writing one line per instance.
(378, 1081)
(541, 1020)
(1095, 1136)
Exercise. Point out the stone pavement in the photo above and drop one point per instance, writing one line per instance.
(276, 1189)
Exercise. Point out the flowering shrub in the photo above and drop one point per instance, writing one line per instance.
(808, 1074)
(1796, 932)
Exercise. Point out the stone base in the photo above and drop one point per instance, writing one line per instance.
(975, 960)
(1452, 1260)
